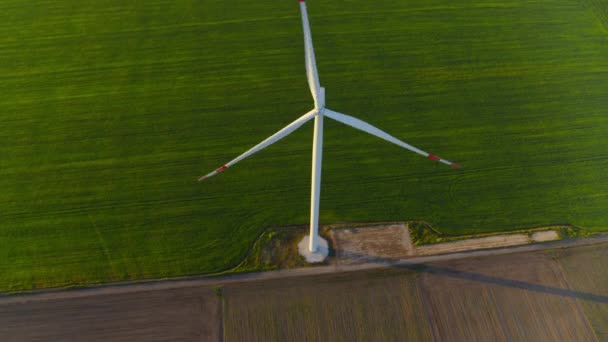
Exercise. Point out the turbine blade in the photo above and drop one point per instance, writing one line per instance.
(267, 142)
(309, 56)
(365, 127)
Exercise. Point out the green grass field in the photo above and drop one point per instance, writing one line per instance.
(109, 111)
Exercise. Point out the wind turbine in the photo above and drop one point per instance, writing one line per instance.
(318, 113)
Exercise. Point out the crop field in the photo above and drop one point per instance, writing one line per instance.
(363, 307)
(186, 314)
(557, 294)
(584, 272)
(540, 296)
(110, 111)
(509, 297)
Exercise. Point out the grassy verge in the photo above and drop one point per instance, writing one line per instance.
(277, 248)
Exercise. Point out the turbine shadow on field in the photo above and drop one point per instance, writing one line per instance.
(482, 278)
(445, 271)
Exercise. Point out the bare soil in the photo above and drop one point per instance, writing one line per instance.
(472, 244)
(585, 272)
(518, 297)
(370, 306)
(187, 314)
(548, 235)
(392, 242)
(364, 244)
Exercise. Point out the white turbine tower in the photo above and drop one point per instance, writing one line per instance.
(318, 113)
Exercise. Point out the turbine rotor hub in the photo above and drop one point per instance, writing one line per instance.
(320, 103)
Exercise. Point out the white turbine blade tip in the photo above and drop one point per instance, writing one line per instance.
(434, 157)
(218, 170)
(447, 162)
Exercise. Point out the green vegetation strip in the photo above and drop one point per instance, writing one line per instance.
(110, 111)
(276, 248)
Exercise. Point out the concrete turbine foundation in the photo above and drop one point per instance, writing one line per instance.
(312, 257)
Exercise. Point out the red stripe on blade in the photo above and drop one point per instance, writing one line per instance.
(456, 166)
(222, 168)
(430, 156)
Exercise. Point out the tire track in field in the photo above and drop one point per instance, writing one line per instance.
(274, 191)
(102, 243)
(453, 186)
(599, 8)
(427, 307)
(462, 176)
(467, 176)
(140, 204)
(269, 192)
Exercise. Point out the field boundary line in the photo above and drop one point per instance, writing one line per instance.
(427, 307)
